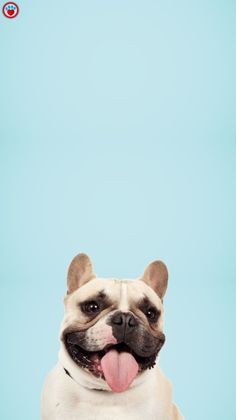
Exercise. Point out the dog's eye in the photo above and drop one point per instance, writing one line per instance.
(152, 314)
(91, 307)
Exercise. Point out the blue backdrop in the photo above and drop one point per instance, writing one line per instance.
(118, 139)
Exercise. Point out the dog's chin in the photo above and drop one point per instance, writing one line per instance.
(91, 360)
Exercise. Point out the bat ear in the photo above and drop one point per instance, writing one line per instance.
(156, 276)
(80, 272)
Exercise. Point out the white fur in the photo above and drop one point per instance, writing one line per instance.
(64, 398)
(85, 397)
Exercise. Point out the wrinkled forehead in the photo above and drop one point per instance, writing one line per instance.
(123, 293)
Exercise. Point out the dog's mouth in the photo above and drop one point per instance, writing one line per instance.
(117, 364)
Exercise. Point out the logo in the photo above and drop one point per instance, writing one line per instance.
(10, 10)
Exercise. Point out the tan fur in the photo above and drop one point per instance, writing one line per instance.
(80, 271)
(150, 395)
(156, 276)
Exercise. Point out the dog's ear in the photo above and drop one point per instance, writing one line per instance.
(80, 272)
(156, 276)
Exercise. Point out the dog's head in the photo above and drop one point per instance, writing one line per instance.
(113, 328)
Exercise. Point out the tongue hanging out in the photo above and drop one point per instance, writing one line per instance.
(119, 369)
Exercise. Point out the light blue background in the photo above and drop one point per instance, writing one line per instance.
(118, 139)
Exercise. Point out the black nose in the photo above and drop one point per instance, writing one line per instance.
(124, 321)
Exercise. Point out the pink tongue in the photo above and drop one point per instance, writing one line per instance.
(119, 369)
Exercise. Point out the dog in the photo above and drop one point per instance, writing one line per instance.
(111, 336)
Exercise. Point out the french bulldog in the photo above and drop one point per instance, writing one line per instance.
(111, 336)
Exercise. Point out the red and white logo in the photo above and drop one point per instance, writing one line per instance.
(10, 10)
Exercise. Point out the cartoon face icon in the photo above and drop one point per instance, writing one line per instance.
(10, 10)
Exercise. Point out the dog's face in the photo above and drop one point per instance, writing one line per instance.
(113, 328)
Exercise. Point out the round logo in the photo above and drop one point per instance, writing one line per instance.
(10, 10)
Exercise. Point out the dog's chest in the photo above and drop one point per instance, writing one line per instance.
(87, 412)
(109, 408)
(135, 404)
(64, 399)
